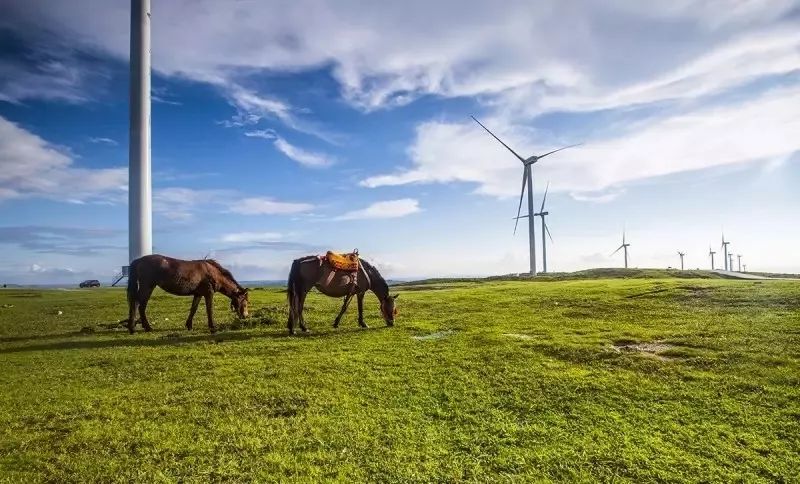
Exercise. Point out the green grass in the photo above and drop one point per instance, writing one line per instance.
(523, 384)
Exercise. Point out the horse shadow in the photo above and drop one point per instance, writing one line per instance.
(170, 338)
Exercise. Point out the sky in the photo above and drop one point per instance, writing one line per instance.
(287, 128)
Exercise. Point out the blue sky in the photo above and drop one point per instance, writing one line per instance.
(287, 128)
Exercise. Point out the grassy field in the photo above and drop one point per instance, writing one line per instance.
(638, 379)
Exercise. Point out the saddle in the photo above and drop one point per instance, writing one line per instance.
(343, 262)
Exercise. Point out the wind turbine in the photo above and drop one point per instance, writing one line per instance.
(625, 247)
(527, 178)
(724, 246)
(745, 267)
(542, 214)
(739, 260)
(711, 253)
(681, 254)
(730, 264)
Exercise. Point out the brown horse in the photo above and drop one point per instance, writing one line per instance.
(312, 271)
(198, 278)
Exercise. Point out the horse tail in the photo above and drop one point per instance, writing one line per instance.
(133, 282)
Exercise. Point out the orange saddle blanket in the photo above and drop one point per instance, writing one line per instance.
(343, 262)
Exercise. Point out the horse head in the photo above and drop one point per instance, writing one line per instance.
(239, 302)
(389, 309)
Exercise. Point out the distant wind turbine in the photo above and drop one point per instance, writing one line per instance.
(527, 179)
(745, 267)
(711, 253)
(739, 260)
(681, 254)
(542, 214)
(730, 264)
(624, 246)
(724, 246)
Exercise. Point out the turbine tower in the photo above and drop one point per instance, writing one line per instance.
(527, 178)
(542, 214)
(681, 254)
(625, 247)
(140, 212)
(711, 253)
(730, 263)
(739, 260)
(724, 246)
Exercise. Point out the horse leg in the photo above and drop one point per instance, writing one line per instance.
(195, 303)
(344, 308)
(360, 300)
(132, 306)
(302, 320)
(209, 297)
(144, 297)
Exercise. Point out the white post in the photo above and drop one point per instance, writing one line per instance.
(544, 246)
(140, 223)
(531, 222)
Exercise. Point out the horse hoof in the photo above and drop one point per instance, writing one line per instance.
(213, 330)
(130, 330)
(364, 326)
(147, 329)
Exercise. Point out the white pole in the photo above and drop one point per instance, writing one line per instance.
(140, 223)
(544, 247)
(531, 222)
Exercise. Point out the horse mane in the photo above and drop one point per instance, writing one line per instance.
(375, 276)
(225, 272)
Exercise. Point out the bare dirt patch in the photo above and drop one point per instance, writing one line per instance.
(518, 336)
(653, 349)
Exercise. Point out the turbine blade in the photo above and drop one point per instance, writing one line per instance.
(521, 194)
(547, 229)
(556, 151)
(545, 197)
(501, 141)
(618, 248)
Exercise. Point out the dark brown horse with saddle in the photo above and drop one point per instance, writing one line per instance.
(197, 278)
(337, 275)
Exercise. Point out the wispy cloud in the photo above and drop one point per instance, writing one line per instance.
(300, 155)
(267, 206)
(77, 241)
(762, 127)
(182, 203)
(385, 209)
(245, 237)
(104, 141)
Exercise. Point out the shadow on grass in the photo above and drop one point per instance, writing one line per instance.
(171, 338)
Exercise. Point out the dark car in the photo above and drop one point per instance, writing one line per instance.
(90, 283)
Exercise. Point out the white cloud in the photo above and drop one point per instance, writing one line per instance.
(181, 203)
(558, 55)
(101, 140)
(761, 128)
(300, 155)
(62, 79)
(250, 237)
(266, 206)
(385, 209)
(32, 167)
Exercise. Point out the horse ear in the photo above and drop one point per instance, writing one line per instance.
(246, 290)
(395, 296)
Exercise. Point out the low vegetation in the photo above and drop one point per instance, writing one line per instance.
(641, 379)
